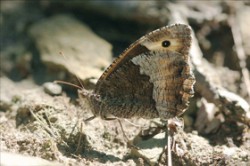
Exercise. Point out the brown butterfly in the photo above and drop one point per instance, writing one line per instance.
(150, 79)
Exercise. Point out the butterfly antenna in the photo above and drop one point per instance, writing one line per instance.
(85, 92)
(67, 83)
(79, 81)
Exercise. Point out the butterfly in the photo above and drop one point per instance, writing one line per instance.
(152, 78)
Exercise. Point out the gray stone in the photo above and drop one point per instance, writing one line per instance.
(85, 54)
(9, 159)
(150, 149)
(52, 88)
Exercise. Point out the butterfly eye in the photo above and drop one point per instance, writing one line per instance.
(165, 43)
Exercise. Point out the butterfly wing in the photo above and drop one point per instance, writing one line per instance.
(152, 78)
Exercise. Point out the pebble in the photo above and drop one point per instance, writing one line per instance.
(52, 88)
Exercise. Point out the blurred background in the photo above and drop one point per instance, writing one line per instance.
(119, 23)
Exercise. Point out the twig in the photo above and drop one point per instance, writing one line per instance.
(79, 140)
(43, 124)
(237, 36)
(169, 144)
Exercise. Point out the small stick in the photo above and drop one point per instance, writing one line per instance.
(90, 118)
(79, 140)
(237, 36)
(43, 124)
(169, 143)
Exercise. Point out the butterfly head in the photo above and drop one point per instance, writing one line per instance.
(86, 95)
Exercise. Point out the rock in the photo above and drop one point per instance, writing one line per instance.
(85, 53)
(150, 149)
(205, 117)
(5, 93)
(10, 159)
(52, 88)
(242, 14)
